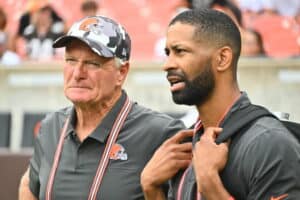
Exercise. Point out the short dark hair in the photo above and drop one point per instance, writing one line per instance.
(89, 5)
(214, 28)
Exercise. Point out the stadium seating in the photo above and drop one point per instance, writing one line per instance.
(279, 35)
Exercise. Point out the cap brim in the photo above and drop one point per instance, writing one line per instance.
(64, 40)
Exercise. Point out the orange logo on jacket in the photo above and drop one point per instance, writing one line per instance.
(281, 197)
(117, 152)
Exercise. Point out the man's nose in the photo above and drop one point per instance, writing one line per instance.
(169, 63)
(79, 71)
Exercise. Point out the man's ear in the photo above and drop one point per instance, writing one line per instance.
(123, 71)
(223, 58)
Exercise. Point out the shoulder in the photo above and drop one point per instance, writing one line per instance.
(55, 119)
(139, 112)
(49, 132)
(59, 114)
(269, 130)
(270, 158)
(268, 142)
(154, 120)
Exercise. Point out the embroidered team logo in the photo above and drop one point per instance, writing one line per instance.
(117, 152)
(281, 197)
(88, 23)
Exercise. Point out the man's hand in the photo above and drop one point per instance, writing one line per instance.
(24, 191)
(209, 159)
(165, 163)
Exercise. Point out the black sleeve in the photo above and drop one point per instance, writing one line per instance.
(272, 167)
(173, 127)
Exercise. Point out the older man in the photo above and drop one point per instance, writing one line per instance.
(97, 148)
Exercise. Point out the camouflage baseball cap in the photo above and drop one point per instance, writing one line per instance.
(104, 36)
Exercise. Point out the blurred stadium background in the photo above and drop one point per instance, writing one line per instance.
(34, 88)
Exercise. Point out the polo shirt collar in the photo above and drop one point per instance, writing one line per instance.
(242, 101)
(102, 131)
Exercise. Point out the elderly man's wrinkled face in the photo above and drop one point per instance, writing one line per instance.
(89, 78)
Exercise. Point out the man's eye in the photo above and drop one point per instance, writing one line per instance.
(71, 61)
(93, 64)
(179, 51)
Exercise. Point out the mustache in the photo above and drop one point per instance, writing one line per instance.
(181, 75)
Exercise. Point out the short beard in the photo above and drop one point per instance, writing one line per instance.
(197, 91)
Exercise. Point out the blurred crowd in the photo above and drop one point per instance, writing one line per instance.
(270, 28)
(38, 27)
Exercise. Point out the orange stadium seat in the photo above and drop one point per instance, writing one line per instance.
(279, 35)
(145, 22)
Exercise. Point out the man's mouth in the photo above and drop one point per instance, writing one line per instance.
(176, 82)
(174, 79)
(79, 87)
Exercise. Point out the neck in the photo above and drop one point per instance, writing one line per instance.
(90, 116)
(214, 109)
